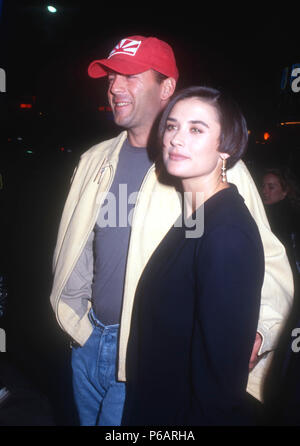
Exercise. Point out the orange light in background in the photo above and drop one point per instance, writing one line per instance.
(290, 123)
(266, 136)
(25, 105)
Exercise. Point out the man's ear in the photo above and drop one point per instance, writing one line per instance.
(167, 88)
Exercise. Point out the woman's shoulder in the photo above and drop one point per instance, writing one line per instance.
(229, 230)
(224, 202)
(228, 209)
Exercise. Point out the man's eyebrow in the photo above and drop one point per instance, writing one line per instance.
(191, 121)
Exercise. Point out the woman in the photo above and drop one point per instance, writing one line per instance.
(196, 307)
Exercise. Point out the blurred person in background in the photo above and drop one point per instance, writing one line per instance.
(281, 197)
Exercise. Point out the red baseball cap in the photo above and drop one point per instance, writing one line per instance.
(136, 54)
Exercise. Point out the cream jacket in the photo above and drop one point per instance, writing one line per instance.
(157, 207)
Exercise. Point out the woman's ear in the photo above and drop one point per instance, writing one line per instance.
(167, 88)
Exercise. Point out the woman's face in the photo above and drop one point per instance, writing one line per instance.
(272, 190)
(191, 140)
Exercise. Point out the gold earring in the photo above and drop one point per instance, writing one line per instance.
(224, 177)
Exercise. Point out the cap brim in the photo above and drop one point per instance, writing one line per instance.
(100, 68)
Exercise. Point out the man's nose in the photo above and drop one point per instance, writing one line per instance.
(118, 84)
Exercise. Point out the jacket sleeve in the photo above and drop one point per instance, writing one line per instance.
(78, 288)
(230, 269)
(278, 287)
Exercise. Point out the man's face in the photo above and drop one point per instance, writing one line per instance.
(135, 99)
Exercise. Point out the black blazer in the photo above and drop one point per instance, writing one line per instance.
(194, 321)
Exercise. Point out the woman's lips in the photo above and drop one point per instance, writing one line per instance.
(177, 157)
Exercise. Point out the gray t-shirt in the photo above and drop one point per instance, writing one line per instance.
(112, 233)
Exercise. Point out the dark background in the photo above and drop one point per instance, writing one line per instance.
(242, 48)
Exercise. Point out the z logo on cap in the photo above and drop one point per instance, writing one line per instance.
(126, 46)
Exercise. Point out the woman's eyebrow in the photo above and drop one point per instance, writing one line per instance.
(199, 122)
(192, 121)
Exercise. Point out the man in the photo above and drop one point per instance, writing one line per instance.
(97, 265)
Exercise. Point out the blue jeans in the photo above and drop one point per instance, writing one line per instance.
(99, 397)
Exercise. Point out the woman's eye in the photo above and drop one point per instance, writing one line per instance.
(196, 130)
(170, 127)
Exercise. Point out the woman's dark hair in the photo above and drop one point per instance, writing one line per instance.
(234, 132)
